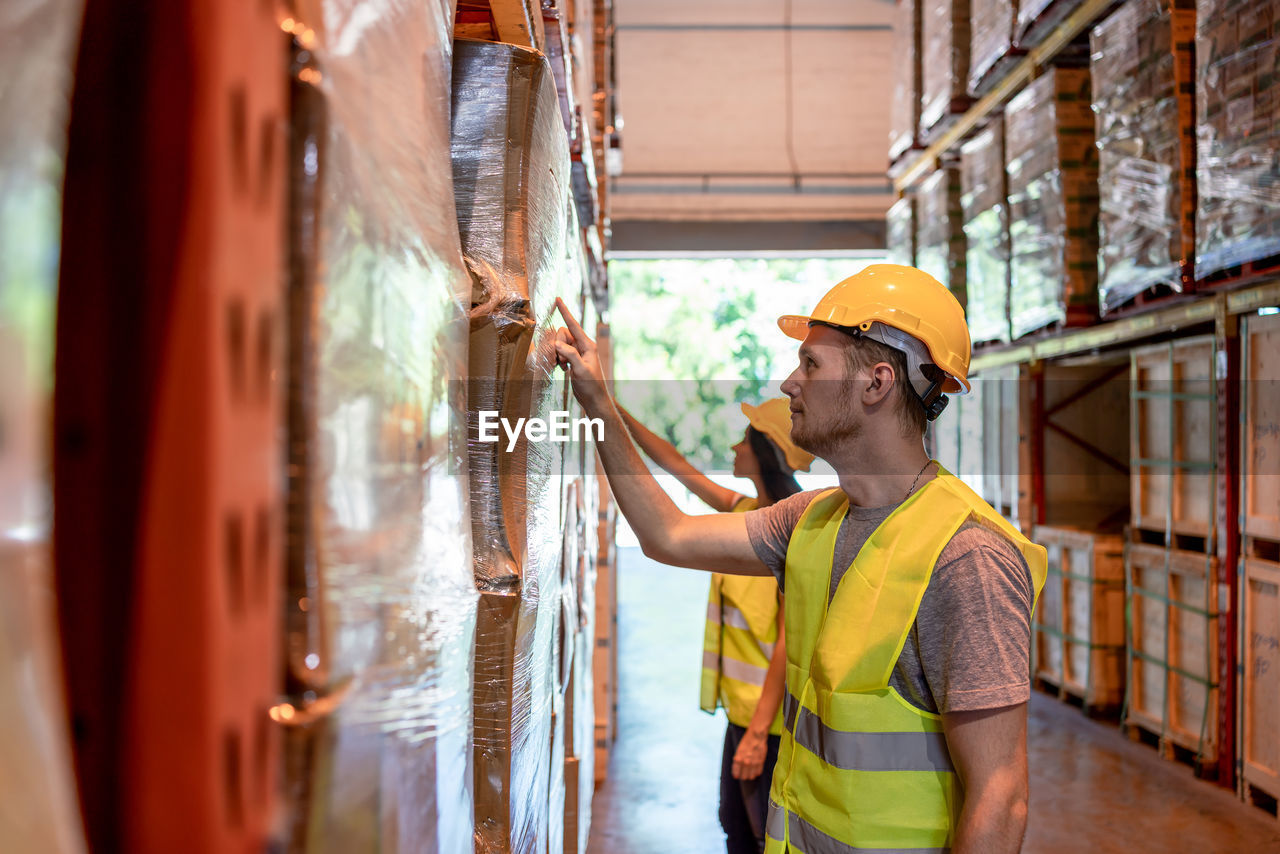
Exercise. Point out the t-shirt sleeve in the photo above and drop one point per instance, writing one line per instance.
(974, 623)
(769, 530)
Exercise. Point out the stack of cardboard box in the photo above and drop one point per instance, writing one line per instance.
(1142, 96)
(511, 181)
(1238, 116)
(900, 231)
(940, 248)
(904, 109)
(945, 64)
(985, 208)
(1053, 202)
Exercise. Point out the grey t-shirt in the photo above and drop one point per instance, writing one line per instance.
(969, 647)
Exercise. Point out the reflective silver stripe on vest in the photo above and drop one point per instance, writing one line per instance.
(727, 615)
(789, 706)
(872, 751)
(807, 839)
(736, 670)
(734, 618)
(775, 826)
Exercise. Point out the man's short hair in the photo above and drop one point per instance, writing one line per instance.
(862, 353)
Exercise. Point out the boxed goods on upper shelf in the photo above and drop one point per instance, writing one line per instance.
(1238, 133)
(985, 206)
(1053, 202)
(1142, 97)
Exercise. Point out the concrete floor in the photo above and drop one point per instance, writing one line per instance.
(1092, 790)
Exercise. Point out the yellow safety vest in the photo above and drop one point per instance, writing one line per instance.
(742, 628)
(859, 768)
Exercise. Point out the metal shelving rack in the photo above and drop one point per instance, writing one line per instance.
(1215, 310)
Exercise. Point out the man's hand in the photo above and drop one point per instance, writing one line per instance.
(748, 759)
(577, 353)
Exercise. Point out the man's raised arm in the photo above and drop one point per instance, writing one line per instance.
(716, 542)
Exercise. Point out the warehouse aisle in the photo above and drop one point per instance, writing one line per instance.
(1091, 788)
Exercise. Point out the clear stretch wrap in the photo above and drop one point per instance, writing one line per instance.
(511, 179)
(381, 607)
(38, 804)
(945, 64)
(1238, 132)
(992, 22)
(904, 109)
(1038, 18)
(900, 231)
(1053, 202)
(985, 205)
(1141, 69)
(939, 231)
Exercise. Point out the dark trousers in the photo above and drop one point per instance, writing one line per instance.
(744, 804)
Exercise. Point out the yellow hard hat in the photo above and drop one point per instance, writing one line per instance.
(905, 299)
(773, 419)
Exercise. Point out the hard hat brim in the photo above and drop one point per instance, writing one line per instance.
(797, 326)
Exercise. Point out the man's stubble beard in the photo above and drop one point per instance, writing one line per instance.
(842, 428)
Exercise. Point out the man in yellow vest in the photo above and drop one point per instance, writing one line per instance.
(909, 599)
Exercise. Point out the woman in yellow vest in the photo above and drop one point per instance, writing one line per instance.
(744, 653)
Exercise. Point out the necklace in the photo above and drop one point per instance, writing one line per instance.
(917, 480)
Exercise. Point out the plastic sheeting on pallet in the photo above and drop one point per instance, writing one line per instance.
(1141, 69)
(511, 177)
(382, 606)
(1053, 202)
(992, 23)
(900, 231)
(985, 208)
(38, 805)
(940, 248)
(904, 109)
(945, 64)
(1238, 133)
(1038, 18)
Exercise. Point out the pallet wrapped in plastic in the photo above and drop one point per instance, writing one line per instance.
(900, 231)
(944, 27)
(381, 604)
(1141, 69)
(991, 42)
(511, 181)
(904, 109)
(939, 230)
(38, 803)
(985, 207)
(1053, 203)
(1038, 18)
(1238, 134)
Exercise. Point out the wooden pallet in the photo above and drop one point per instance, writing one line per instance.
(1152, 299)
(997, 70)
(1170, 749)
(1239, 275)
(1079, 631)
(1259, 658)
(1172, 641)
(1172, 430)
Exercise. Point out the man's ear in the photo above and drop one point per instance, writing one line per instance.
(880, 385)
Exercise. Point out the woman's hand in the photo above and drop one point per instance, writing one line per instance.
(748, 759)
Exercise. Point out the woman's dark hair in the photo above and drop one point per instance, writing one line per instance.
(779, 482)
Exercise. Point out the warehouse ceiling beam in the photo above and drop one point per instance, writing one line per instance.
(915, 165)
(682, 238)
